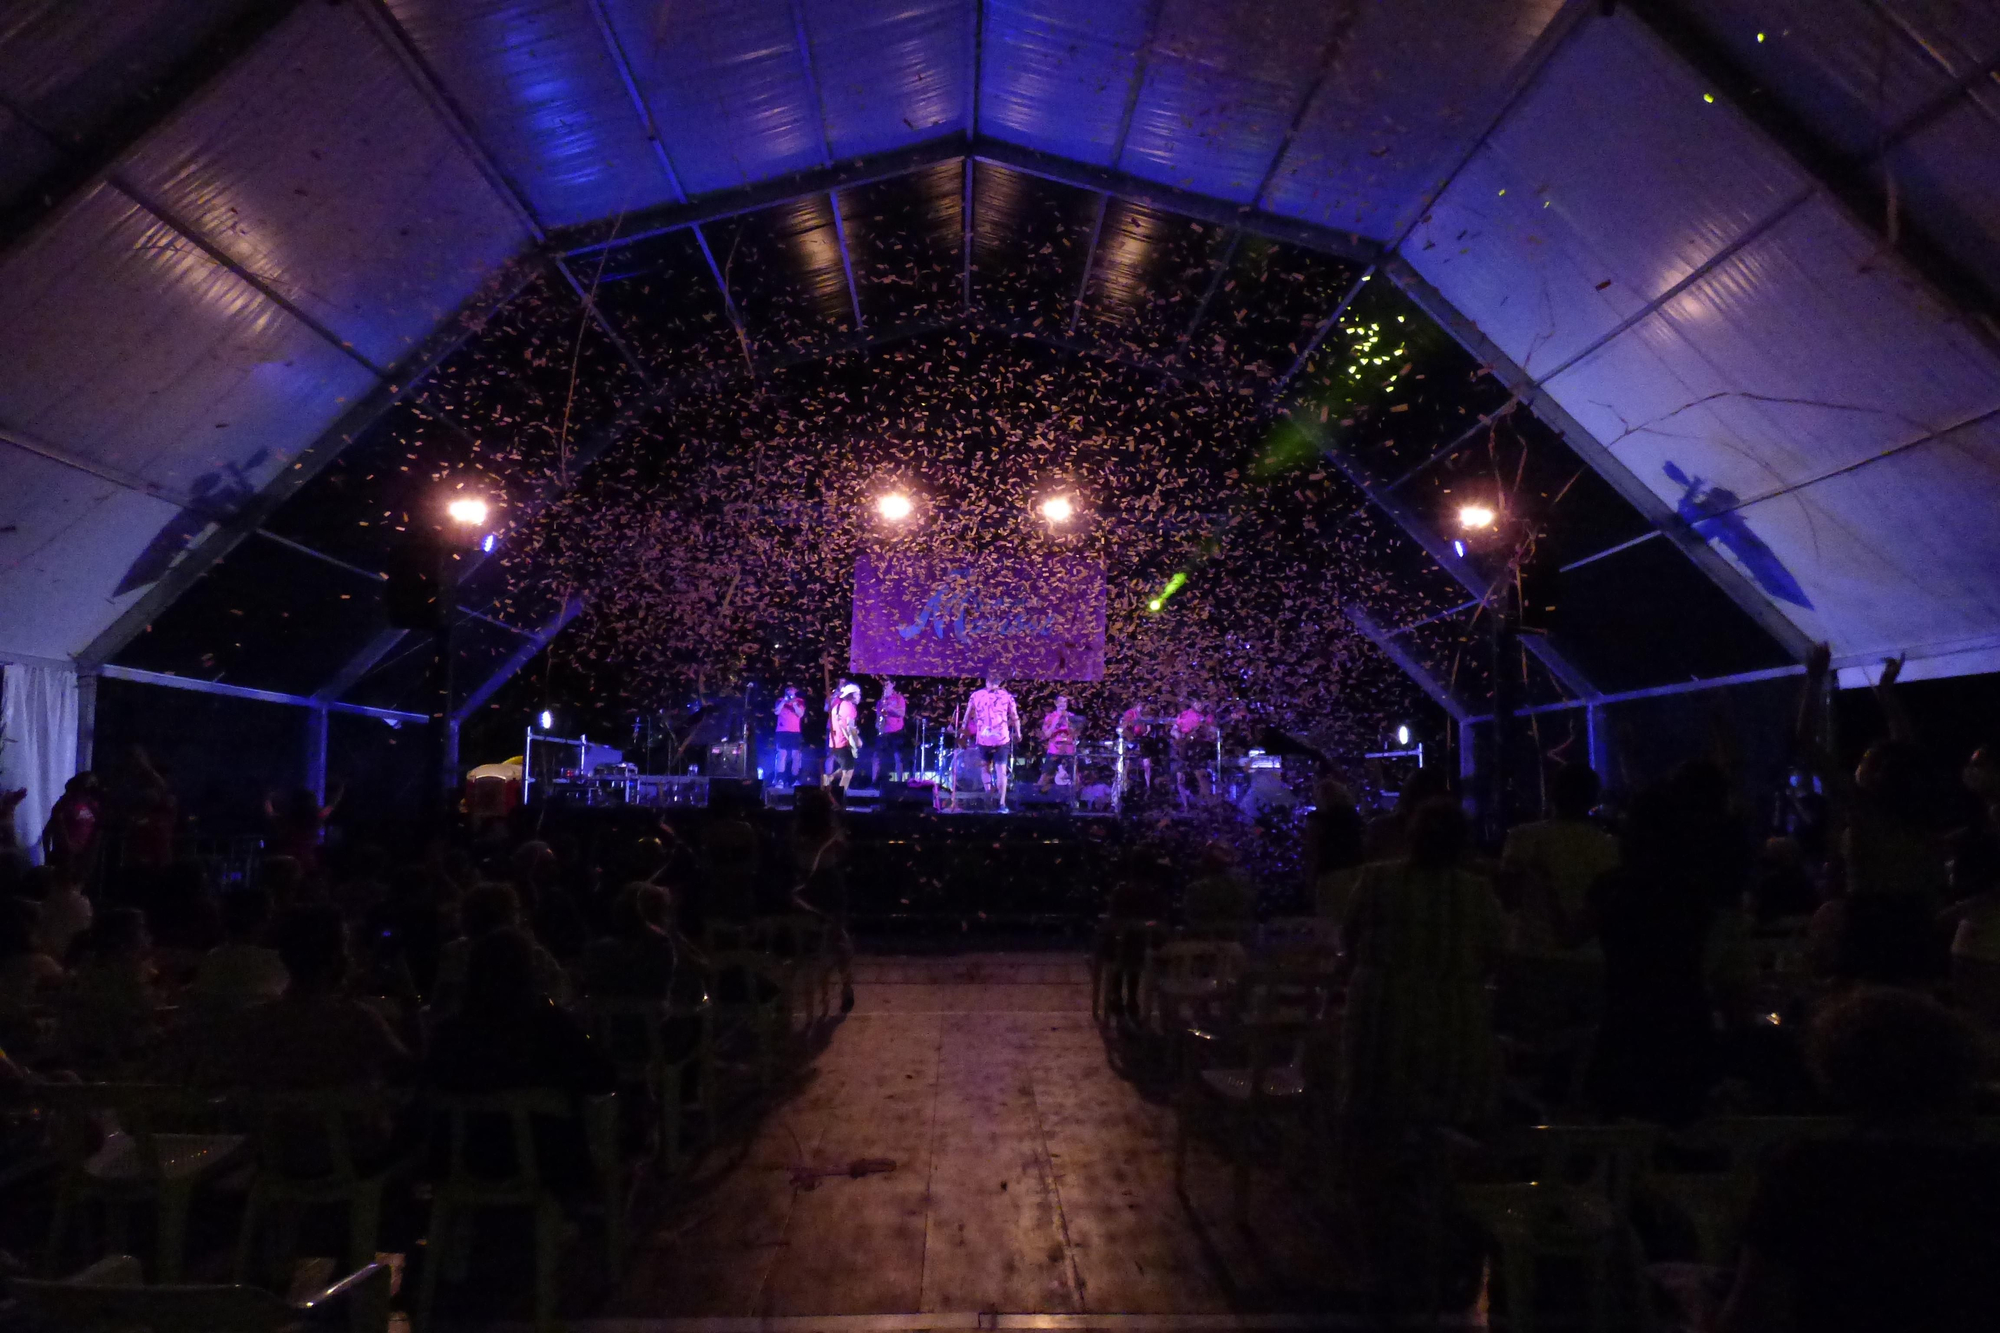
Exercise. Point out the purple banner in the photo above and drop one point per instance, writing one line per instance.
(931, 615)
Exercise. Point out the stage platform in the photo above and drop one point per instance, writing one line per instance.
(1035, 873)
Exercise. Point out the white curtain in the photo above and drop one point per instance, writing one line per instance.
(38, 707)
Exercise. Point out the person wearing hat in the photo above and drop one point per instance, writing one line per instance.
(843, 732)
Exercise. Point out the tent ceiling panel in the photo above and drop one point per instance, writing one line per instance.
(315, 164)
(1221, 89)
(70, 67)
(129, 346)
(1915, 84)
(1151, 272)
(1959, 209)
(1854, 69)
(68, 538)
(1762, 363)
(543, 94)
(890, 72)
(1610, 182)
(26, 155)
(784, 272)
(1411, 86)
(1725, 328)
(907, 241)
(726, 84)
(1900, 555)
(661, 295)
(1030, 237)
(1057, 76)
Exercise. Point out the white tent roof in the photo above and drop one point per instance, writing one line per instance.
(236, 237)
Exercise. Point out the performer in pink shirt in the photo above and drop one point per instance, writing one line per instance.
(995, 723)
(791, 711)
(1059, 732)
(1142, 740)
(1191, 730)
(843, 732)
(891, 740)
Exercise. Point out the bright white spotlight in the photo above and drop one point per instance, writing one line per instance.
(1403, 734)
(548, 719)
(1058, 509)
(467, 509)
(894, 506)
(1476, 518)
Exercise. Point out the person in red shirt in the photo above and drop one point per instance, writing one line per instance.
(995, 723)
(1059, 730)
(70, 840)
(791, 711)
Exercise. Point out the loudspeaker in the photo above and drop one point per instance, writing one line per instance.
(1026, 793)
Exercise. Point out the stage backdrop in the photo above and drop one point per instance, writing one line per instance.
(932, 615)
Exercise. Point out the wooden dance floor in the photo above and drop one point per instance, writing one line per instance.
(1030, 1180)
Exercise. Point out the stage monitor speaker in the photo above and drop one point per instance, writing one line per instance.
(731, 759)
(1028, 794)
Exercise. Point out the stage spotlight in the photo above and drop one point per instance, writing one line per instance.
(1058, 509)
(1155, 604)
(1403, 734)
(468, 510)
(1476, 517)
(548, 719)
(895, 506)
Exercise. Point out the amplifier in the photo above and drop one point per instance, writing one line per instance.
(731, 759)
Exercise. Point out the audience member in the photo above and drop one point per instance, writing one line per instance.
(70, 842)
(1975, 924)
(1655, 1057)
(819, 859)
(509, 1037)
(109, 1011)
(313, 1036)
(1218, 898)
(27, 973)
(1422, 937)
(1896, 1226)
(638, 960)
(1336, 836)
(65, 912)
(488, 908)
(242, 970)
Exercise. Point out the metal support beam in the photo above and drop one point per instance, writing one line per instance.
(965, 217)
(221, 539)
(1167, 199)
(1734, 583)
(1663, 691)
(1459, 568)
(86, 720)
(846, 260)
(217, 687)
(1418, 673)
(1089, 262)
(1326, 326)
(1597, 741)
(644, 224)
(1343, 25)
(315, 753)
(1140, 62)
(192, 234)
(152, 105)
(519, 658)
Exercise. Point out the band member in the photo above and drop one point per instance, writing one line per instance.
(995, 724)
(1140, 739)
(891, 740)
(1059, 732)
(843, 732)
(791, 711)
(1191, 729)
